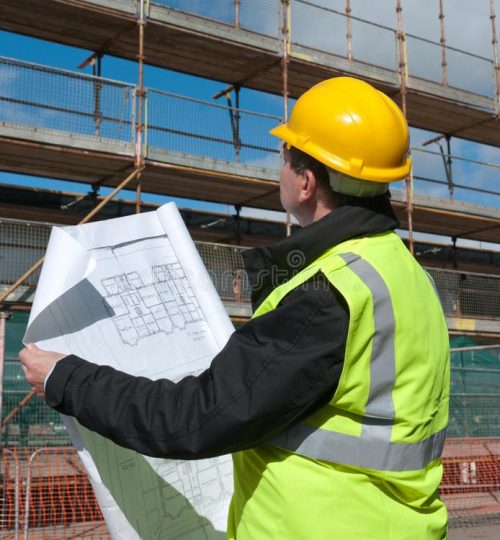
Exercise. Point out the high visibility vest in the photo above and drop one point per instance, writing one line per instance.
(369, 459)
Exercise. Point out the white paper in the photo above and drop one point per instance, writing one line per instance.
(133, 293)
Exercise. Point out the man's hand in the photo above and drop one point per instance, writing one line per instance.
(36, 365)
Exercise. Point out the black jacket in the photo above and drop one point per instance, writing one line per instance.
(275, 370)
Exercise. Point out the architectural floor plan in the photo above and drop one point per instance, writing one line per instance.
(143, 308)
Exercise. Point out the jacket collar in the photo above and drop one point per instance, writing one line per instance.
(270, 266)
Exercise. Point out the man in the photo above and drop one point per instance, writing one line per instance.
(333, 399)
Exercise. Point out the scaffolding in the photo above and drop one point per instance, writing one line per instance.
(122, 123)
(125, 128)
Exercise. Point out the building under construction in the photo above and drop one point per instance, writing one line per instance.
(114, 136)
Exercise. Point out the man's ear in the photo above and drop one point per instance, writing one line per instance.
(309, 186)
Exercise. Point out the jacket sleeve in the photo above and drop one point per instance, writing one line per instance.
(274, 370)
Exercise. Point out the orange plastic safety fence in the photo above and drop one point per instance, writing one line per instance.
(9, 499)
(46, 495)
(471, 480)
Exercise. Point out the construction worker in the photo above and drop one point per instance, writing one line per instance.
(333, 398)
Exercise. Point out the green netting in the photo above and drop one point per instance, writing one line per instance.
(475, 391)
(16, 326)
(35, 424)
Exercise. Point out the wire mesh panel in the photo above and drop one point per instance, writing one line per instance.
(22, 244)
(471, 459)
(374, 44)
(201, 128)
(318, 26)
(225, 267)
(429, 173)
(419, 49)
(10, 490)
(463, 294)
(217, 10)
(470, 72)
(433, 176)
(259, 16)
(50, 99)
(462, 70)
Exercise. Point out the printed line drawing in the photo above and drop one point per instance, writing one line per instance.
(139, 310)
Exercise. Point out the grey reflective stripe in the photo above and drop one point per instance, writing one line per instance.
(382, 362)
(373, 449)
(361, 451)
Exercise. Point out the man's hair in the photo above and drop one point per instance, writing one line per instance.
(300, 162)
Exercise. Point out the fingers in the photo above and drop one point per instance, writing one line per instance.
(23, 356)
(37, 364)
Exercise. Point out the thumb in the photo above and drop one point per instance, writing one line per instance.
(32, 347)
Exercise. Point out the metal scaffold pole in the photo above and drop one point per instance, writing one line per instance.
(494, 42)
(285, 34)
(444, 63)
(138, 195)
(349, 31)
(3, 317)
(140, 128)
(403, 74)
(236, 14)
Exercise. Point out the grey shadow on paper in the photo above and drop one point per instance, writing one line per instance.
(155, 508)
(76, 309)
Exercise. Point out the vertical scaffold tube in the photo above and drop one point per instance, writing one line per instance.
(138, 195)
(496, 65)
(236, 14)
(349, 31)
(285, 33)
(444, 63)
(3, 318)
(140, 138)
(403, 73)
(139, 130)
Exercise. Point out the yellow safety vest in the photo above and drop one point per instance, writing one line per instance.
(366, 465)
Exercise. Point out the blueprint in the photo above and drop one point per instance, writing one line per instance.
(144, 306)
(133, 293)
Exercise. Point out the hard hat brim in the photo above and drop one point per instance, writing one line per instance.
(354, 167)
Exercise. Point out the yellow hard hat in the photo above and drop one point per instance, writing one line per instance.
(351, 127)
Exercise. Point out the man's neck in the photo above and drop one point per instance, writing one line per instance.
(313, 215)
